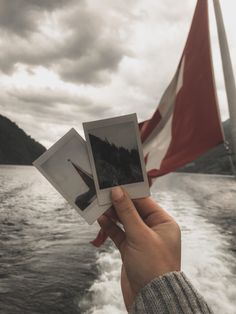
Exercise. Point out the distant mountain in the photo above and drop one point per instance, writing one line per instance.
(215, 161)
(16, 147)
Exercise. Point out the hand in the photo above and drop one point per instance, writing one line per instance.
(150, 244)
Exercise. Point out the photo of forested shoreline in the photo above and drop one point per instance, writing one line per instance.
(115, 165)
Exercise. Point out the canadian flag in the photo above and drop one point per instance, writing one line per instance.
(187, 122)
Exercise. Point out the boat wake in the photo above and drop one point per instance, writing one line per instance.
(207, 256)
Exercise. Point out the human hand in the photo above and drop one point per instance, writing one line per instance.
(150, 244)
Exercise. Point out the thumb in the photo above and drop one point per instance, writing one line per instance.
(127, 213)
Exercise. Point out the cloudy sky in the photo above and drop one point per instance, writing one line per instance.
(63, 62)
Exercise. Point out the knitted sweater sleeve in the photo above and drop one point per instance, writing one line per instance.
(171, 293)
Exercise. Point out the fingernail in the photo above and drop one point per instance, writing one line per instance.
(117, 193)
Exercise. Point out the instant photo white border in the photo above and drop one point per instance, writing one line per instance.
(135, 190)
(94, 210)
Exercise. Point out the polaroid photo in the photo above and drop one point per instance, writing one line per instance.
(66, 166)
(116, 156)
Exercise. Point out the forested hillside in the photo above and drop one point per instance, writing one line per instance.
(16, 147)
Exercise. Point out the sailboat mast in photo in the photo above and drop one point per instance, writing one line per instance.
(83, 200)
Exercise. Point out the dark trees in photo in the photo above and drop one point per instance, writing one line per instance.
(115, 165)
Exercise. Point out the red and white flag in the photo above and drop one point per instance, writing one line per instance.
(187, 122)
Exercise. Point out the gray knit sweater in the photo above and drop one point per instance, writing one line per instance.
(171, 293)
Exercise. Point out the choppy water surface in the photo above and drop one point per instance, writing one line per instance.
(48, 266)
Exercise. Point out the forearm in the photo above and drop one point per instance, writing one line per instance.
(170, 293)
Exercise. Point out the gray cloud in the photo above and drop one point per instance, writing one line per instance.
(21, 16)
(119, 56)
(87, 50)
(93, 67)
(55, 112)
(57, 105)
(47, 97)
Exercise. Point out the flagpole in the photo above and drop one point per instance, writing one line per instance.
(228, 73)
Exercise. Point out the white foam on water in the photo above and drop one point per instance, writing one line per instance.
(206, 259)
(105, 292)
(205, 256)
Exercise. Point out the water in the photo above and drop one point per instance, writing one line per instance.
(48, 266)
(46, 263)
